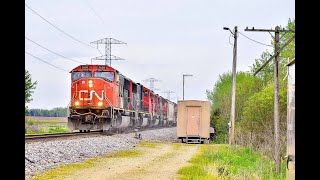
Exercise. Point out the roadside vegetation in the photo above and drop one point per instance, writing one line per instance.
(230, 162)
(43, 125)
(254, 121)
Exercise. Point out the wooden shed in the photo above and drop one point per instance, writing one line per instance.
(193, 121)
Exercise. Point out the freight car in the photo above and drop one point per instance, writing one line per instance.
(104, 99)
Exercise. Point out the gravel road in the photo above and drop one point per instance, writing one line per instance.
(161, 162)
(43, 156)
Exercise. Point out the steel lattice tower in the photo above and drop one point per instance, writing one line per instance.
(168, 94)
(108, 56)
(152, 80)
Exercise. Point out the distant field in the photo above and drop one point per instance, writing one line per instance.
(48, 119)
(42, 125)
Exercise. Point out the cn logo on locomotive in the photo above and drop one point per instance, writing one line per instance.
(91, 95)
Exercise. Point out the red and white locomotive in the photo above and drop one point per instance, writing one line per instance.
(104, 99)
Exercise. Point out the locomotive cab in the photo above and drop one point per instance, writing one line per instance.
(92, 89)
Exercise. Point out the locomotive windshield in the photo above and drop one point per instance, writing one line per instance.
(82, 74)
(104, 75)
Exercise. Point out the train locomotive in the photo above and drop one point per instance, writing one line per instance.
(102, 99)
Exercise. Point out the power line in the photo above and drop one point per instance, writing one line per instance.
(46, 62)
(254, 40)
(55, 52)
(95, 12)
(59, 28)
(275, 54)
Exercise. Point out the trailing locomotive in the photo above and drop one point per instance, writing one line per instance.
(104, 99)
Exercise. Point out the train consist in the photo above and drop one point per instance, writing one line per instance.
(104, 99)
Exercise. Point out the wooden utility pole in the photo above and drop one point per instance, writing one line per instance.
(276, 100)
(234, 74)
(233, 92)
(276, 87)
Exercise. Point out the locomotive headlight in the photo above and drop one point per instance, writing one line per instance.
(100, 103)
(90, 83)
(76, 103)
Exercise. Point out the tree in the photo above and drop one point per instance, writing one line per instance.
(29, 86)
(220, 96)
(254, 101)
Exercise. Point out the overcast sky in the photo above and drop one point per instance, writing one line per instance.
(165, 39)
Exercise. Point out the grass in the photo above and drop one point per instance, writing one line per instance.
(177, 146)
(127, 153)
(42, 125)
(147, 145)
(48, 119)
(64, 170)
(225, 162)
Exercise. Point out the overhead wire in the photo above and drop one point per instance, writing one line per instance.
(254, 40)
(46, 62)
(60, 29)
(54, 52)
(95, 12)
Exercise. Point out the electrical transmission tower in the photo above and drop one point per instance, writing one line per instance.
(152, 80)
(108, 56)
(168, 94)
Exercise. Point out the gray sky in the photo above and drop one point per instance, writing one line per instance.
(165, 39)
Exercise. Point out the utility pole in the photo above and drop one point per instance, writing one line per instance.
(108, 56)
(276, 100)
(184, 75)
(233, 93)
(276, 87)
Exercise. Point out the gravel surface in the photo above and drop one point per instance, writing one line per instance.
(43, 156)
(160, 135)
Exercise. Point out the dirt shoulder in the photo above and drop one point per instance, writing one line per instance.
(146, 161)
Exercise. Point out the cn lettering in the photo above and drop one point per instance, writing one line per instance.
(91, 95)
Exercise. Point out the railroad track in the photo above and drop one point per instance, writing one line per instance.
(31, 137)
(59, 135)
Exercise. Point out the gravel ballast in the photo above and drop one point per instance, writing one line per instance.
(43, 156)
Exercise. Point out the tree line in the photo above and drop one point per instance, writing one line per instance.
(55, 112)
(254, 118)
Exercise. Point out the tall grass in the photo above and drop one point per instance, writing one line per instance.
(230, 162)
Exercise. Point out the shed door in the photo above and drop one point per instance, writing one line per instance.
(193, 121)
